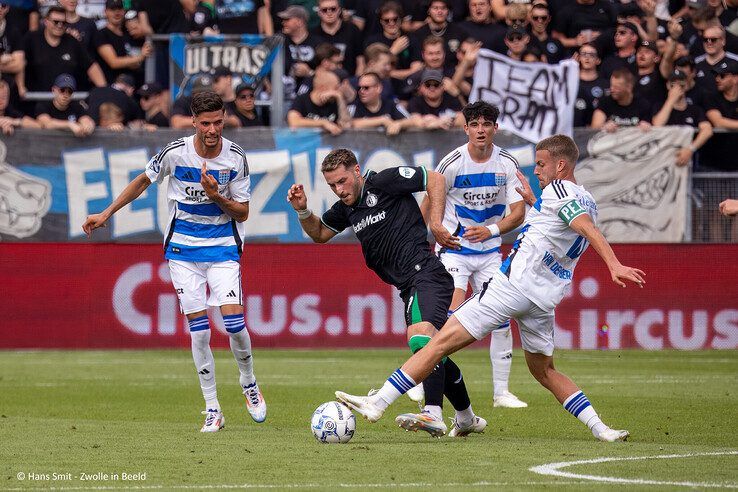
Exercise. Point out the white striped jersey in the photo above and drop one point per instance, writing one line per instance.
(198, 230)
(477, 194)
(541, 263)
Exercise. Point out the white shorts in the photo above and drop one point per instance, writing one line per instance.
(192, 280)
(491, 309)
(474, 269)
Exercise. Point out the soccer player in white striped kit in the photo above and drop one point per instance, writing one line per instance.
(208, 196)
(528, 286)
(481, 183)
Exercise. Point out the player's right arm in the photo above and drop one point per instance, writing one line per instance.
(310, 223)
(129, 193)
(585, 227)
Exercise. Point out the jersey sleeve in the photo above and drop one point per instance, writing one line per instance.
(401, 180)
(561, 202)
(512, 182)
(448, 168)
(159, 166)
(240, 186)
(335, 218)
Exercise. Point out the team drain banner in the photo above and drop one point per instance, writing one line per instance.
(536, 100)
(248, 58)
(297, 295)
(50, 181)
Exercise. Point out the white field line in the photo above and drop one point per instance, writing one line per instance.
(390, 485)
(554, 469)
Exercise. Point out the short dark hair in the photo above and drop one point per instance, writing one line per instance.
(391, 6)
(338, 157)
(624, 74)
(375, 75)
(432, 40)
(325, 51)
(560, 147)
(484, 109)
(55, 8)
(205, 102)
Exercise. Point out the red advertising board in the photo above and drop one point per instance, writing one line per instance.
(316, 296)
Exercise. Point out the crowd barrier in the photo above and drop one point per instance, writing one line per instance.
(84, 296)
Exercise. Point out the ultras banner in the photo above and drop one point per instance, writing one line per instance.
(50, 181)
(309, 296)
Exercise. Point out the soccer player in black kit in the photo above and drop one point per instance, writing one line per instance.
(387, 221)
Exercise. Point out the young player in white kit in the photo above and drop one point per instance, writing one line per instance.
(208, 196)
(481, 183)
(529, 285)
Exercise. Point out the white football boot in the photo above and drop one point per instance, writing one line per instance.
(476, 426)
(255, 403)
(214, 420)
(508, 400)
(424, 421)
(364, 405)
(612, 435)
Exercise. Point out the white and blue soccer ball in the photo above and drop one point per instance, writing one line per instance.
(333, 423)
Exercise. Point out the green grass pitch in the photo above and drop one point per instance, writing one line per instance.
(70, 416)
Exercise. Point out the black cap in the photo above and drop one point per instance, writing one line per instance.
(649, 45)
(431, 74)
(243, 86)
(684, 61)
(151, 89)
(221, 72)
(201, 83)
(677, 75)
(126, 79)
(113, 4)
(65, 81)
(726, 66)
(516, 29)
(630, 26)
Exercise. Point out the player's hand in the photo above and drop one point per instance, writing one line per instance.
(525, 190)
(208, 183)
(477, 234)
(93, 222)
(729, 207)
(444, 238)
(297, 198)
(619, 273)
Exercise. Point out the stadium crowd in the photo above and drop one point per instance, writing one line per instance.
(390, 64)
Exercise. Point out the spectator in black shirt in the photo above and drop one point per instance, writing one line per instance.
(120, 93)
(324, 107)
(438, 26)
(713, 40)
(722, 108)
(82, 28)
(626, 43)
(11, 52)
(244, 16)
(677, 111)
(583, 21)
(434, 57)
(620, 108)
(591, 85)
(343, 35)
(152, 104)
(482, 27)
(11, 118)
(551, 48)
(51, 52)
(244, 107)
(300, 43)
(650, 80)
(371, 110)
(161, 16)
(116, 53)
(379, 60)
(181, 111)
(695, 94)
(390, 19)
(464, 74)
(439, 110)
(62, 113)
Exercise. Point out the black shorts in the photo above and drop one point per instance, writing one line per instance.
(429, 296)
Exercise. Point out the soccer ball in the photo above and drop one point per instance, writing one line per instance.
(333, 423)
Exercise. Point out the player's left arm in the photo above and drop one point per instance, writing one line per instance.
(585, 227)
(237, 210)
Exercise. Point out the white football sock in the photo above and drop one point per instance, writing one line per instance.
(464, 417)
(578, 405)
(500, 354)
(241, 348)
(205, 366)
(434, 410)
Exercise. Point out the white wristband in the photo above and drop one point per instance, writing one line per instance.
(494, 229)
(304, 214)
